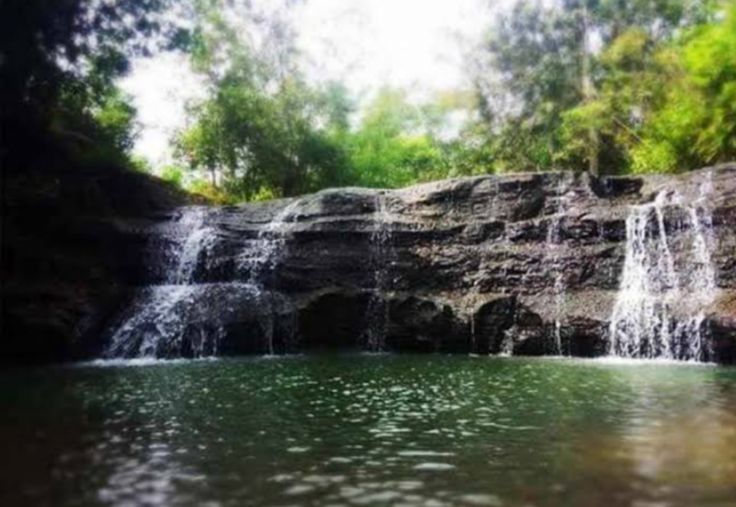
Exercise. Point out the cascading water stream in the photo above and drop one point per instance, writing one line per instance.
(270, 248)
(197, 238)
(377, 312)
(271, 242)
(154, 320)
(668, 279)
(554, 246)
(176, 318)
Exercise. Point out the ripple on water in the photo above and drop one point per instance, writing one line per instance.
(140, 361)
(424, 454)
(434, 466)
(298, 449)
(481, 499)
(372, 431)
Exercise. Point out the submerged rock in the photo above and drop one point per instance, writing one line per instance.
(514, 263)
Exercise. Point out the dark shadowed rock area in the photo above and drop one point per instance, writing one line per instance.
(520, 264)
(71, 251)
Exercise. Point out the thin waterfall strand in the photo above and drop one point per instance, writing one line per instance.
(270, 248)
(377, 313)
(554, 246)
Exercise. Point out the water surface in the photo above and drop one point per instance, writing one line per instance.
(369, 430)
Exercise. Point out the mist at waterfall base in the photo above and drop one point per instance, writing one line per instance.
(370, 430)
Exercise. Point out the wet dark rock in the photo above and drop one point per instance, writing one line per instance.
(721, 323)
(335, 320)
(492, 320)
(610, 188)
(422, 325)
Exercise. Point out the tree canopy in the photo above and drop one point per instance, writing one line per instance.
(606, 86)
(58, 64)
(585, 84)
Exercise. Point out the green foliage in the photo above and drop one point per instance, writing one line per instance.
(390, 147)
(115, 117)
(262, 131)
(44, 41)
(657, 96)
(210, 192)
(532, 79)
(694, 124)
(710, 60)
(58, 63)
(651, 156)
(250, 139)
(173, 174)
(620, 85)
(141, 164)
(97, 132)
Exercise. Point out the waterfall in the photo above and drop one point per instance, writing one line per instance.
(377, 313)
(553, 245)
(154, 323)
(668, 279)
(270, 245)
(270, 248)
(184, 316)
(507, 344)
(197, 237)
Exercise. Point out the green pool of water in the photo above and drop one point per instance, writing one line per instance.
(369, 430)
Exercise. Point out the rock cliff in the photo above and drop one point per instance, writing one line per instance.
(520, 263)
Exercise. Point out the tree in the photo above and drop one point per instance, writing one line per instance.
(694, 123)
(548, 84)
(254, 140)
(527, 77)
(262, 130)
(392, 145)
(59, 59)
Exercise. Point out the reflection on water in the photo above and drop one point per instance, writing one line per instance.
(369, 430)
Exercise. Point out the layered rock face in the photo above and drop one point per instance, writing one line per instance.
(543, 263)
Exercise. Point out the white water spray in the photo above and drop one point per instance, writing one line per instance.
(155, 319)
(271, 242)
(197, 238)
(668, 280)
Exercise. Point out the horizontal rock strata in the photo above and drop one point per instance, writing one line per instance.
(515, 263)
(520, 263)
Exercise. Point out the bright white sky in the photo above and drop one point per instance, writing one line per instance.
(415, 44)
